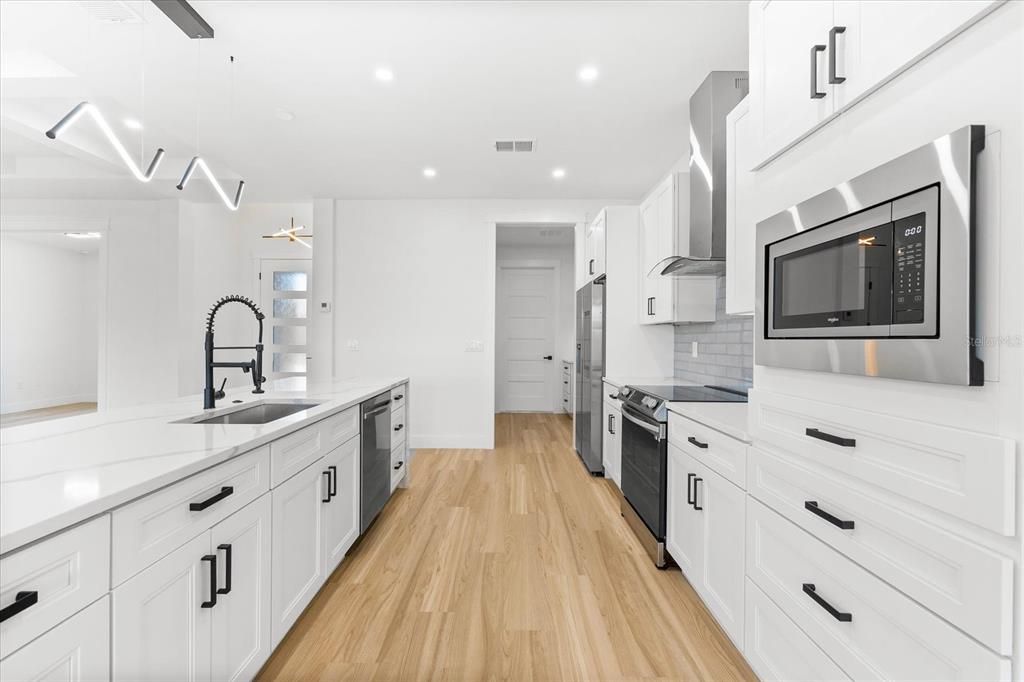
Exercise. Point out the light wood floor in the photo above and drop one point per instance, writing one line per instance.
(45, 414)
(505, 564)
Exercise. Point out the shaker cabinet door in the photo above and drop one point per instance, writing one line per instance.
(341, 514)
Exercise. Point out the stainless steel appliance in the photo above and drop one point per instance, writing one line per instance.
(590, 374)
(374, 458)
(876, 276)
(710, 103)
(645, 455)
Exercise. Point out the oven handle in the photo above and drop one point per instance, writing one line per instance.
(655, 431)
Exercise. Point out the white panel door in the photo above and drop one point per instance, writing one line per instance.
(341, 513)
(77, 650)
(241, 619)
(285, 286)
(297, 571)
(684, 531)
(161, 629)
(526, 328)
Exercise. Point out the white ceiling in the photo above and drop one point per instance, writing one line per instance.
(465, 75)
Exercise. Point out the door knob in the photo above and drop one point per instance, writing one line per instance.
(547, 357)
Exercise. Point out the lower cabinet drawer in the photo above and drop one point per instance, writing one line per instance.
(45, 583)
(968, 585)
(777, 649)
(78, 649)
(296, 451)
(398, 427)
(153, 526)
(868, 628)
(724, 454)
(399, 463)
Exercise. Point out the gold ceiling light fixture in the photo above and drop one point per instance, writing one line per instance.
(292, 234)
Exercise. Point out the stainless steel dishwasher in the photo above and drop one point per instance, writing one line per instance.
(374, 458)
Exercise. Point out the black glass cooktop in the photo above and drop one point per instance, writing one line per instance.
(696, 394)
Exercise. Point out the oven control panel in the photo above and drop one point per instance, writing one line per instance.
(908, 271)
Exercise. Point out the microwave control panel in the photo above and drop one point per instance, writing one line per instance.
(908, 271)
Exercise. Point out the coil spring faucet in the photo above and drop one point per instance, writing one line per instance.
(255, 366)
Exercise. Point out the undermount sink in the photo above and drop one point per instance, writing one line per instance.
(260, 413)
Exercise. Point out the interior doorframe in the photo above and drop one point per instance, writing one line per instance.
(538, 263)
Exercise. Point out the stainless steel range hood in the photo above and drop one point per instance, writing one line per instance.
(709, 105)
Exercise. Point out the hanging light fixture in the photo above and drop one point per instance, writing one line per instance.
(88, 108)
(292, 235)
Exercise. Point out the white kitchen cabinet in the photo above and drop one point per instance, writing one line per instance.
(740, 225)
(664, 232)
(241, 618)
(160, 628)
(77, 650)
(596, 232)
(297, 569)
(705, 535)
(611, 451)
(341, 513)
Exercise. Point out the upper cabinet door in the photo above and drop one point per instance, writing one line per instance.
(789, 70)
(241, 619)
(877, 40)
(739, 222)
(597, 244)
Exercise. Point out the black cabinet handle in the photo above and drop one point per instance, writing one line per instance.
(566, 383)
(548, 357)
(829, 438)
(833, 611)
(327, 488)
(212, 558)
(612, 416)
(22, 600)
(399, 466)
(689, 488)
(696, 443)
(650, 305)
(591, 266)
(398, 397)
(333, 480)
(815, 49)
(225, 491)
(812, 506)
(832, 77)
(226, 548)
(399, 427)
(696, 480)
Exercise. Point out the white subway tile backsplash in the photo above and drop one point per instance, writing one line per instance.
(725, 348)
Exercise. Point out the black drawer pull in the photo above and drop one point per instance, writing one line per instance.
(689, 488)
(398, 397)
(227, 568)
(225, 491)
(833, 78)
(22, 600)
(399, 427)
(815, 49)
(212, 558)
(833, 611)
(812, 506)
(333, 481)
(696, 443)
(696, 480)
(829, 438)
(399, 466)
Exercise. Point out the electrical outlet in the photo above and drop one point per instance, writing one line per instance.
(474, 346)
(693, 348)
(353, 344)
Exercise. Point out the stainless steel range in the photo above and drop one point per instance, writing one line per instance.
(645, 455)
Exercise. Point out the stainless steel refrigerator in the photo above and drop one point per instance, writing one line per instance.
(590, 374)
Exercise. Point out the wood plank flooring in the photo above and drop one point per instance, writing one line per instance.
(505, 564)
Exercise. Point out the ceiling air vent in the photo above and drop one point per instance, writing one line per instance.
(514, 145)
(112, 11)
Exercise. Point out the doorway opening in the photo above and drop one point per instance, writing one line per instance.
(534, 314)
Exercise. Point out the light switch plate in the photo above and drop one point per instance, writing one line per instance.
(325, 306)
(693, 348)
(474, 346)
(353, 344)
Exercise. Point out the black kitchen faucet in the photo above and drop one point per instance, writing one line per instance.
(255, 366)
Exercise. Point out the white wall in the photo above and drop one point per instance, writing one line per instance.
(49, 334)
(565, 306)
(413, 283)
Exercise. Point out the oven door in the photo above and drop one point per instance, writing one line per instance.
(644, 468)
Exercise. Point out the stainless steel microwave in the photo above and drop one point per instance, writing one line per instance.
(876, 276)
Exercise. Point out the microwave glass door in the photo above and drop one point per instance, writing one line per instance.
(843, 282)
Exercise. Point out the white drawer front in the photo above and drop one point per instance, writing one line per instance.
(295, 452)
(888, 635)
(76, 650)
(777, 649)
(726, 455)
(339, 428)
(156, 524)
(398, 428)
(399, 464)
(966, 474)
(967, 584)
(66, 572)
(399, 395)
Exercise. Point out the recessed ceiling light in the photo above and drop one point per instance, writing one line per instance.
(384, 74)
(132, 124)
(429, 172)
(83, 235)
(284, 114)
(558, 173)
(588, 74)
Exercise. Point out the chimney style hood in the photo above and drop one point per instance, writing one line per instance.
(720, 92)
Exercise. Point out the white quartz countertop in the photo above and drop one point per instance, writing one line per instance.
(57, 473)
(729, 418)
(619, 382)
